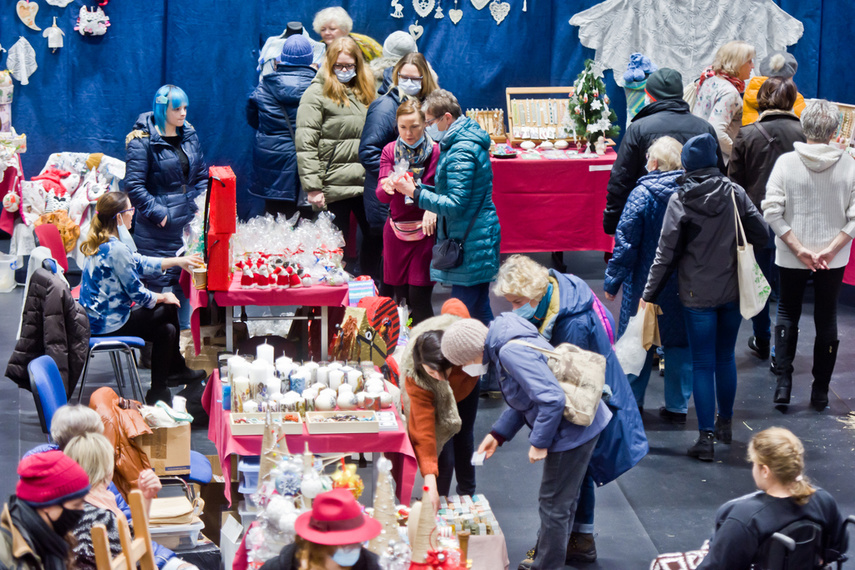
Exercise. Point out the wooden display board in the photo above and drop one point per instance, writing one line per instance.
(538, 113)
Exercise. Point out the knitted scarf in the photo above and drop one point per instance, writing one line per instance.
(417, 157)
(735, 81)
(49, 546)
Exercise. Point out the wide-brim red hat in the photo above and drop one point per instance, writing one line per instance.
(336, 519)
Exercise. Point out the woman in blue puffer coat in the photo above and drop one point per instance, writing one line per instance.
(636, 239)
(272, 111)
(165, 173)
(463, 194)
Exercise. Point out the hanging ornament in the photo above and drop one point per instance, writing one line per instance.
(22, 61)
(479, 4)
(92, 22)
(525, 5)
(455, 14)
(54, 36)
(499, 10)
(59, 3)
(27, 11)
(416, 30)
(438, 15)
(399, 10)
(423, 7)
(597, 69)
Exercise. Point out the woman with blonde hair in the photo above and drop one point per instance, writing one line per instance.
(112, 282)
(784, 496)
(719, 98)
(636, 239)
(329, 126)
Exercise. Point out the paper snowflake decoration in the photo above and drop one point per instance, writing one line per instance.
(603, 124)
(596, 105)
(597, 69)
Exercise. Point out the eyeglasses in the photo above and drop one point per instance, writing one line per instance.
(131, 210)
(432, 121)
(344, 66)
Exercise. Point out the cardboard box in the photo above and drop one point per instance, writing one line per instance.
(230, 538)
(168, 449)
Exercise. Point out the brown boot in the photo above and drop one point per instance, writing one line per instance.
(581, 548)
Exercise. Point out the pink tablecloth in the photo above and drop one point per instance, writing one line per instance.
(552, 205)
(395, 443)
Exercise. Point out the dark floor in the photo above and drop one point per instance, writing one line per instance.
(666, 503)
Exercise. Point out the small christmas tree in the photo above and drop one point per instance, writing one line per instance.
(384, 508)
(589, 106)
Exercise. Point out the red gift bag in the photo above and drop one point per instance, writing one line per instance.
(223, 213)
(219, 261)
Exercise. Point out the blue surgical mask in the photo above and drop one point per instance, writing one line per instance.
(345, 76)
(347, 556)
(526, 311)
(126, 238)
(434, 133)
(411, 87)
(415, 145)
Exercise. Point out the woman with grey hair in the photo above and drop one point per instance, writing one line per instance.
(810, 205)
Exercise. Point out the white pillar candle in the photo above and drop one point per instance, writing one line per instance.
(250, 407)
(240, 393)
(274, 386)
(322, 375)
(336, 379)
(237, 366)
(284, 365)
(312, 369)
(258, 373)
(354, 378)
(264, 352)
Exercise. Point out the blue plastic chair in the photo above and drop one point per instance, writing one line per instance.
(116, 347)
(48, 389)
(200, 469)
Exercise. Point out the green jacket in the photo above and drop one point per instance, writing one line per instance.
(464, 180)
(327, 140)
(15, 552)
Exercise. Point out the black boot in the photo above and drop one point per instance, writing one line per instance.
(704, 448)
(759, 346)
(824, 357)
(786, 339)
(724, 429)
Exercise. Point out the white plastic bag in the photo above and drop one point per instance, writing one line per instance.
(628, 348)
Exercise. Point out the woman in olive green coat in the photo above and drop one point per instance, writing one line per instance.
(329, 126)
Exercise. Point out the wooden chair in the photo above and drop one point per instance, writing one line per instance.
(138, 550)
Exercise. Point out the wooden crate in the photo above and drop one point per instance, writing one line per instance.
(370, 425)
(257, 427)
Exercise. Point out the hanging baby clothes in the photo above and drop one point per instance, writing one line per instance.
(54, 36)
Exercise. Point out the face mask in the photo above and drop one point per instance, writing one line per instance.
(126, 238)
(526, 311)
(434, 133)
(67, 520)
(475, 370)
(411, 87)
(347, 556)
(345, 76)
(415, 145)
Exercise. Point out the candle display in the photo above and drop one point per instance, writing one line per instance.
(264, 352)
(237, 366)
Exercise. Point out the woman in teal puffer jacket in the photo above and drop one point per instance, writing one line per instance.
(464, 188)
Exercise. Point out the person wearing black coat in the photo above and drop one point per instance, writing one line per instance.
(272, 111)
(665, 114)
(755, 151)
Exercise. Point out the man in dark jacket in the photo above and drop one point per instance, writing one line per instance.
(665, 114)
(272, 111)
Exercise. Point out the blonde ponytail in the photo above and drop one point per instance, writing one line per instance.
(103, 224)
(783, 453)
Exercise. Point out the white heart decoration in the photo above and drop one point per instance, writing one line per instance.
(59, 3)
(424, 7)
(479, 4)
(455, 15)
(416, 30)
(499, 10)
(27, 13)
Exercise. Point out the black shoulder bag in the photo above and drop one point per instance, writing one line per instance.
(770, 140)
(448, 253)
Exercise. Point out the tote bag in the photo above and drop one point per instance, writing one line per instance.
(754, 290)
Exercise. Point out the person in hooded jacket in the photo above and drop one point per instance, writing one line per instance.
(778, 64)
(165, 173)
(699, 240)
(272, 111)
(463, 201)
(664, 114)
(810, 204)
(563, 308)
(535, 398)
(755, 151)
(635, 247)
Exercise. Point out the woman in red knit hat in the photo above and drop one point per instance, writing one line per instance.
(47, 504)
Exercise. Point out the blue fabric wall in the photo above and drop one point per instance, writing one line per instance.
(86, 96)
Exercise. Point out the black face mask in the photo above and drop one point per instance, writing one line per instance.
(66, 521)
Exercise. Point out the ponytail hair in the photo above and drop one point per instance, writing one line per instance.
(783, 453)
(104, 222)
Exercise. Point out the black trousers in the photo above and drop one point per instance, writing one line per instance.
(371, 249)
(456, 455)
(418, 299)
(826, 284)
(160, 327)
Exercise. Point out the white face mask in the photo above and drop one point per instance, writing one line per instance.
(126, 238)
(411, 87)
(475, 370)
(345, 76)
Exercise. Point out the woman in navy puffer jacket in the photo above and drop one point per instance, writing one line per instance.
(636, 239)
(272, 111)
(165, 173)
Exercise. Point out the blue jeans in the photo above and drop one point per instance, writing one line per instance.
(765, 257)
(712, 338)
(477, 300)
(563, 473)
(678, 378)
(584, 521)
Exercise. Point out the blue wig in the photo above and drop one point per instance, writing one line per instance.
(167, 96)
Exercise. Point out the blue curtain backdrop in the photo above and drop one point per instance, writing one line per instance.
(86, 96)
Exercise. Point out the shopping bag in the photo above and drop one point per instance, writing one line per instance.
(754, 290)
(628, 349)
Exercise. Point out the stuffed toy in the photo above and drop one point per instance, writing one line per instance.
(68, 230)
(92, 22)
(639, 68)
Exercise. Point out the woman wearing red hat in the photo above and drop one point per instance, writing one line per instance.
(330, 537)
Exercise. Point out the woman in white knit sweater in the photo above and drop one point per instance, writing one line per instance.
(810, 205)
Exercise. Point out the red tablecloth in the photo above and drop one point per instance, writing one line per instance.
(552, 205)
(315, 296)
(395, 443)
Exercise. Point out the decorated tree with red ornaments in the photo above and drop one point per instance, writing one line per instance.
(589, 105)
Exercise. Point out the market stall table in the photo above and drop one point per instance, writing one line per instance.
(396, 443)
(322, 296)
(552, 205)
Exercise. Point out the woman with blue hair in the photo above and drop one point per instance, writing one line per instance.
(166, 172)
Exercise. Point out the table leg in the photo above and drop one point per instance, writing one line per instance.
(325, 324)
(230, 331)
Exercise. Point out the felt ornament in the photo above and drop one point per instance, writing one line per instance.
(479, 4)
(399, 10)
(416, 31)
(54, 36)
(455, 14)
(27, 11)
(92, 22)
(59, 3)
(500, 11)
(423, 7)
(22, 61)
(438, 15)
